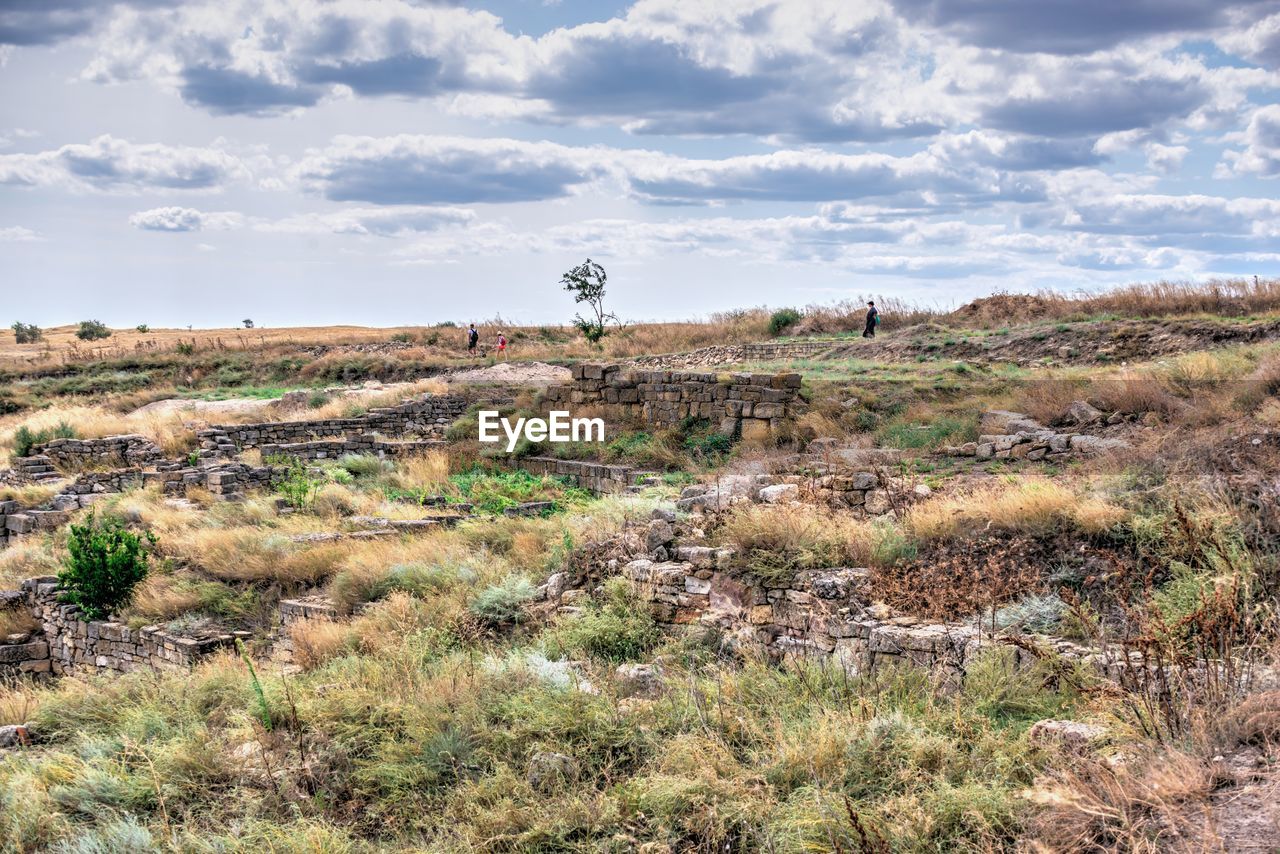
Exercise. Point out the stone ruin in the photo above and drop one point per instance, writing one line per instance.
(753, 406)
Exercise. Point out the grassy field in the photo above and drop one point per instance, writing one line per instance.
(448, 708)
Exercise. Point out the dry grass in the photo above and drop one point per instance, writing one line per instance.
(162, 597)
(95, 422)
(342, 406)
(1034, 506)
(28, 558)
(776, 541)
(1134, 393)
(421, 470)
(17, 621)
(1155, 805)
(317, 641)
(1227, 297)
(247, 553)
(1047, 400)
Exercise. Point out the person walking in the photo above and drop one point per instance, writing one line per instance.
(873, 320)
(502, 346)
(473, 339)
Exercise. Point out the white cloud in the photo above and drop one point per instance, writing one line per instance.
(185, 219)
(1165, 158)
(18, 234)
(109, 164)
(1261, 155)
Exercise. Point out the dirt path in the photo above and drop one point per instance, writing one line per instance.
(1247, 815)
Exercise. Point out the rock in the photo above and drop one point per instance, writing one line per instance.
(1081, 413)
(1115, 418)
(693, 491)
(660, 533)
(822, 446)
(779, 492)
(555, 586)
(550, 771)
(663, 514)
(1071, 736)
(17, 735)
(639, 680)
(921, 490)
(1096, 444)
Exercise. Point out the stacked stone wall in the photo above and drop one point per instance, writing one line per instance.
(729, 354)
(73, 646)
(429, 416)
(750, 405)
(599, 478)
(321, 449)
(129, 450)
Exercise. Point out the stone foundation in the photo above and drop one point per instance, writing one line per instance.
(750, 405)
(76, 647)
(322, 449)
(113, 451)
(428, 416)
(597, 477)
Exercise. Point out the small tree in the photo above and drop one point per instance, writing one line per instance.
(248, 324)
(587, 282)
(92, 330)
(27, 333)
(105, 562)
(782, 320)
(143, 328)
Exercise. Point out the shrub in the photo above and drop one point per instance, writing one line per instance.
(300, 485)
(92, 330)
(775, 542)
(783, 319)
(364, 465)
(620, 629)
(143, 328)
(503, 603)
(104, 564)
(27, 333)
(24, 438)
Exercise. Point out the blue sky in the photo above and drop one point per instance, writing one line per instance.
(388, 162)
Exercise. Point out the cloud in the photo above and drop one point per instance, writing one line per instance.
(1259, 42)
(378, 222)
(1192, 221)
(1066, 26)
(426, 170)
(917, 181)
(248, 57)
(1097, 106)
(19, 234)
(109, 164)
(1261, 155)
(175, 219)
(1165, 158)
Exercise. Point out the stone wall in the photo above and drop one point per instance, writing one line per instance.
(321, 449)
(599, 478)
(428, 416)
(79, 647)
(117, 451)
(1035, 445)
(17, 522)
(752, 405)
(729, 354)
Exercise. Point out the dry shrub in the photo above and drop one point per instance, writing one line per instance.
(18, 702)
(1134, 393)
(162, 597)
(1255, 721)
(387, 623)
(1229, 297)
(1034, 505)
(1153, 805)
(27, 558)
(317, 641)
(1262, 386)
(245, 554)
(420, 470)
(1047, 400)
(776, 541)
(17, 621)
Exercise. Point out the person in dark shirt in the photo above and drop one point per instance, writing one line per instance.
(473, 338)
(873, 320)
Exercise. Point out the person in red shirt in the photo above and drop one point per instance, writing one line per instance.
(502, 346)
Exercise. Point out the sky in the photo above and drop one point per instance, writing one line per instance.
(392, 162)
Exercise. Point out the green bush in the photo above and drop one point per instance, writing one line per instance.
(104, 564)
(782, 320)
(620, 629)
(24, 438)
(27, 333)
(143, 328)
(503, 603)
(300, 484)
(92, 330)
